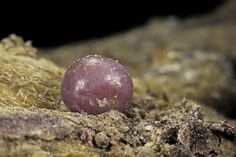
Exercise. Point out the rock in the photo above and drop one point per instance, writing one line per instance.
(35, 122)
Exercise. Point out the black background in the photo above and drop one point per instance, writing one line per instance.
(49, 23)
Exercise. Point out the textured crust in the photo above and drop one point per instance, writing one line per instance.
(179, 130)
(35, 122)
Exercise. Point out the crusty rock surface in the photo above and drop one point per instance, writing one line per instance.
(180, 130)
(160, 122)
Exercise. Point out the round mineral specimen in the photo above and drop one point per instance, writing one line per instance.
(95, 84)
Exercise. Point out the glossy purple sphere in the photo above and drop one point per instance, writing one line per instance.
(95, 84)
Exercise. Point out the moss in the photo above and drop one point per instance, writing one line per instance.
(25, 79)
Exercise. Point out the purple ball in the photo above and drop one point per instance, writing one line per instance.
(95, 84)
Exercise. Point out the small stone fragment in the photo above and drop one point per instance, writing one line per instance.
(102, 140)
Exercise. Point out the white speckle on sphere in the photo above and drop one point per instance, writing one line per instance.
(113, 79)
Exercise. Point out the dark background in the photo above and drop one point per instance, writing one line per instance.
(52, 24)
